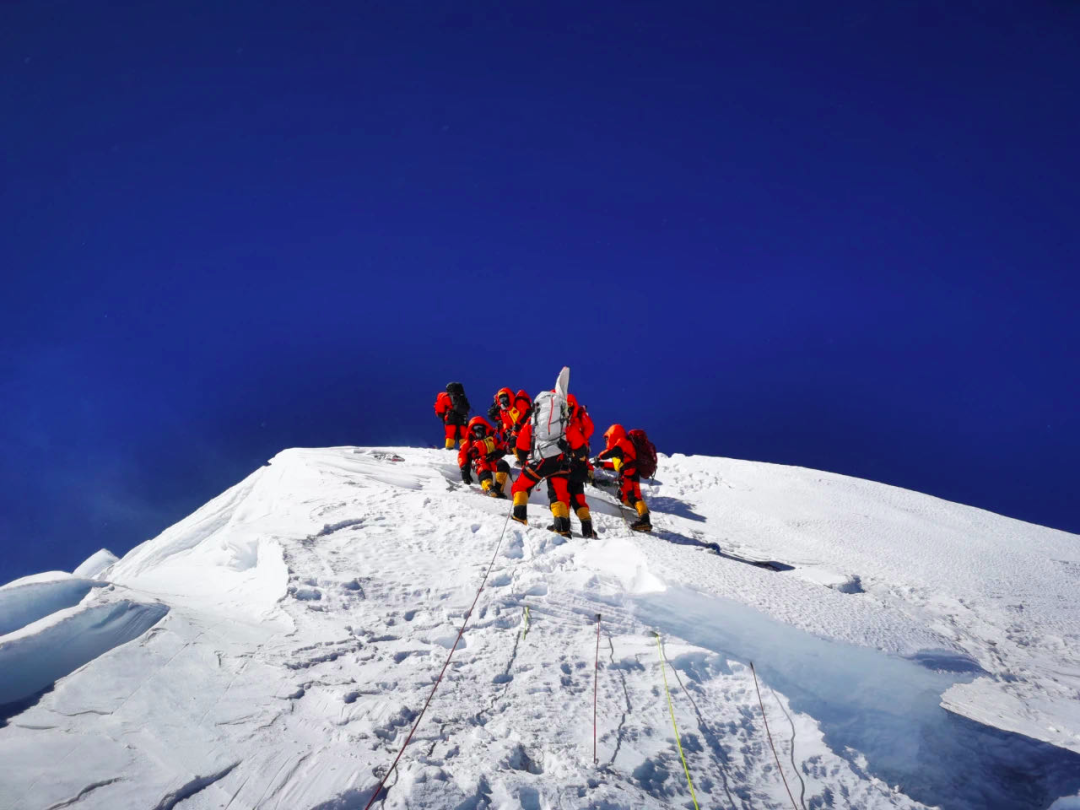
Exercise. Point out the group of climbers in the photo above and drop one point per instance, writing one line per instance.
(550, 441)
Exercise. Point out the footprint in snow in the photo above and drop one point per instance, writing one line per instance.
(448, 642)
(516, 549)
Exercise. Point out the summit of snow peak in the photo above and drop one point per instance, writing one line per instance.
(275, 648)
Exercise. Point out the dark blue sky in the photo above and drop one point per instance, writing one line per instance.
(844, 237)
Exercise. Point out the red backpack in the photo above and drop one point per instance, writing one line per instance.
(646, 453)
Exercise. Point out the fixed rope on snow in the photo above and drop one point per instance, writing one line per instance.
(671, 709)
(596, 671)
(769, 735)
(707, 732)
(468, 615)
(794, 767)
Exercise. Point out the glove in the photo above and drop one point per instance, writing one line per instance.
(466, 475)
(493, 413)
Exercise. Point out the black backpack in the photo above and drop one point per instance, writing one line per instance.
(457, 398)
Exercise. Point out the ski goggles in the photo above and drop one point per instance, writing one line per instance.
(479, 431)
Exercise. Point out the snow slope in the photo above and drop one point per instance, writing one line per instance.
(272, 649)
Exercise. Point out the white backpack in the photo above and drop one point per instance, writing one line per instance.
(550, 413)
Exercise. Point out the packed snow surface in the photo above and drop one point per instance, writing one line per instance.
(273, 650)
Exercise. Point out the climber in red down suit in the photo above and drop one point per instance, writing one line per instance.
(483, 452)
(620, 455)
(542, 448)
(579, 430)
(519, 415)
(452, 407)
(551, 448)
(499, 412)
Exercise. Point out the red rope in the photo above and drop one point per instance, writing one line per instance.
(596, 677)
(468, 615)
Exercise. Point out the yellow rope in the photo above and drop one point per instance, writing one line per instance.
(671, 708)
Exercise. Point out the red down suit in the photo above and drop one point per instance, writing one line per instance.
(482, 452)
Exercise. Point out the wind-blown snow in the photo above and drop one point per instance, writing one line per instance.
(37, 655)
(31, 598)
(95, 564)
(272, 649)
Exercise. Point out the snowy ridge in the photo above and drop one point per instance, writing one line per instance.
(271, 650)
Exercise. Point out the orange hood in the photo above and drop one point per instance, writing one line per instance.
(614, 433)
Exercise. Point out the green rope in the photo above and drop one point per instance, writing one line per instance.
(525, 632)
(671, 708)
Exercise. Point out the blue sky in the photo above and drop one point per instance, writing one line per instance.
(843, 238)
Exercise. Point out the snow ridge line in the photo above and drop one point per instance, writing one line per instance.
(464, 623)
(189, 789)
(84, 792)
(769, 735)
